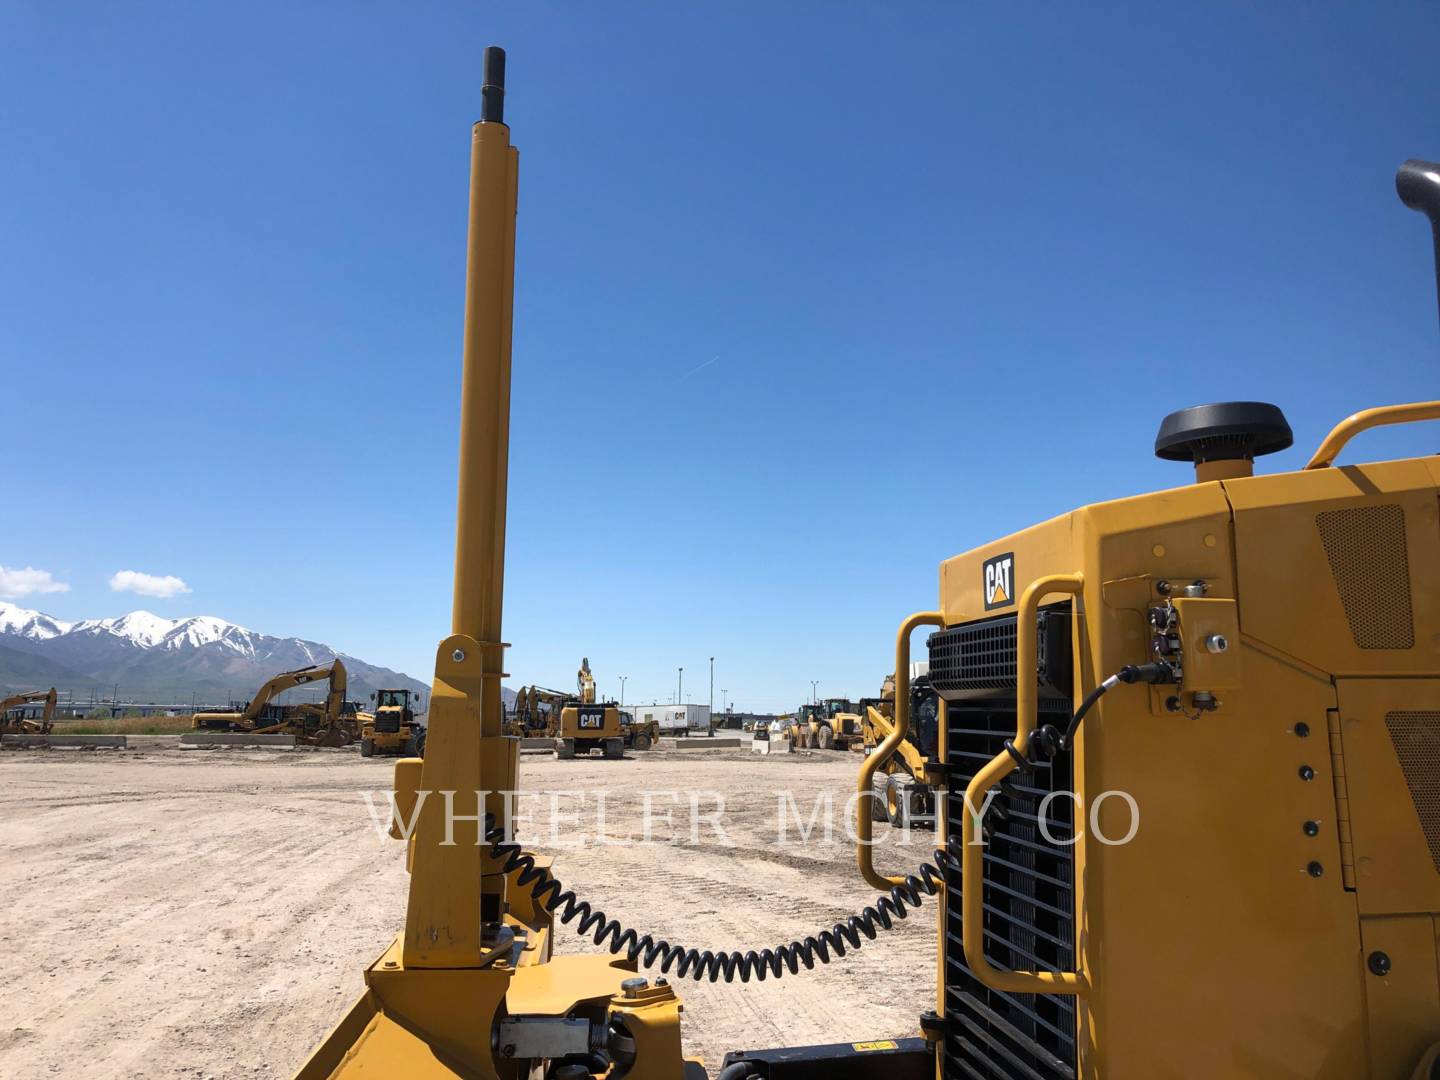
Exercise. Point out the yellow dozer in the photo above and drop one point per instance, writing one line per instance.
(31, 712)
(332, 724)
(1188, 817)
(587, 725)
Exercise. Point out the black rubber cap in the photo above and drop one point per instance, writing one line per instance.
(1223, 432)
(1418, 185)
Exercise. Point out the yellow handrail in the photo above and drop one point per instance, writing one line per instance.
(1351, 426)
(972, 860)
(864, 826)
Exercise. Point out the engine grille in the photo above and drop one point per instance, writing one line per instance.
(1366, 548)
(387, 723)
(1029, 879)
(1416, 738)
(976, 660)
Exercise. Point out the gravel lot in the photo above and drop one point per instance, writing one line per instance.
(209, 913)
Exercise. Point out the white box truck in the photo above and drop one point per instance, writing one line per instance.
(675, 720)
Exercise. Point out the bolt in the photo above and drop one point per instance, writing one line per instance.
(1307, 773)
(1196, 588)
(1216, 643)
(1312, 828)
(458, 655)
(1315, 869)
(1172, 703)
(508, 1050)
(662, 981)
(632, 987)
(1163, 588)
(1379, 963)
(1302, 730)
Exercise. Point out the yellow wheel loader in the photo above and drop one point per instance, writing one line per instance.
(587, 725)
(906, 780)
(1187, 798)
(331, 724)
(17, 713)
(392, 729)
(832, 724)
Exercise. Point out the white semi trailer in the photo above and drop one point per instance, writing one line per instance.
(675, 720)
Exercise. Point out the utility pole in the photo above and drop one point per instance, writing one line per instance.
(712, 685)
(680, 688)
(724, 700)
(814, 696)
(622, 690)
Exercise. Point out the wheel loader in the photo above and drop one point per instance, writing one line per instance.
(832, 724)
(392, 729)
(1187, 794)
(16, 712)
(332, 724)
(905, 782)
(587, 725)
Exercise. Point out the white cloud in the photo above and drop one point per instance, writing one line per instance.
(16, 582)
(148, 584)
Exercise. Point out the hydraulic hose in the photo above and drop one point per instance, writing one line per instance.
(849, 933)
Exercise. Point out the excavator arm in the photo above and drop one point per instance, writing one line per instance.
(334, 672)
(586, 682)
(31, 697)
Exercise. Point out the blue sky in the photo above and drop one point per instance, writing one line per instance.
(808, 298)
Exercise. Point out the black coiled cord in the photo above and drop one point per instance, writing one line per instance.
(695, 964)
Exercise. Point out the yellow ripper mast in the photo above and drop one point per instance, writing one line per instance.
(469, 988)
(456, 899)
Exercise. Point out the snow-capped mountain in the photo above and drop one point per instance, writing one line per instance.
(157, 658)
(30, 624)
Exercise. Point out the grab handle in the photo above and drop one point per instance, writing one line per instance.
(972, 861)
(1351, 426)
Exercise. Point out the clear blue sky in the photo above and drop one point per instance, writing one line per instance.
(807, 300)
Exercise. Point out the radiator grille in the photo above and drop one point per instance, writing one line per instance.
(1416, 737)
(977, 659)
(1366, 549)
(1029, 885)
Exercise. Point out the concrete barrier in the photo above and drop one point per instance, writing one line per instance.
(55, 742)
(152, 742)
(540, 743)
(212, 739)
(771, 746)
(702, 743)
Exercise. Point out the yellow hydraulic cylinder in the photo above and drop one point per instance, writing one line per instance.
(457, 895)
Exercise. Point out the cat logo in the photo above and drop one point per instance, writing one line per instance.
(999, 581)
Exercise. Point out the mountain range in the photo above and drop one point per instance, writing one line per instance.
(154, 659)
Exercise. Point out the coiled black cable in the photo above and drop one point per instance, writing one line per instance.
(695, 964)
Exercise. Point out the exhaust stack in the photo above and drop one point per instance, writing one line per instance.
(1418, 185)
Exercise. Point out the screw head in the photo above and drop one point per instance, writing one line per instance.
(1216, 643)
(1307, 773)
(1378, 963)
(631, 987)
(1312, 828)
(1315, 870)
(458, 655)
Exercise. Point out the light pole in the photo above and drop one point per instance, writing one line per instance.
(813, 695)
(712, 685)
(680, 688)
(724, 700)
(622, 691)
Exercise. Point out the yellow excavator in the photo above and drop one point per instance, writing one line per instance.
(587, 725)
(334, 724)
(1187, 809)
(537, 711)
(15, 710)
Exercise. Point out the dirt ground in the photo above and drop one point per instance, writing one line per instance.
(209, 913)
